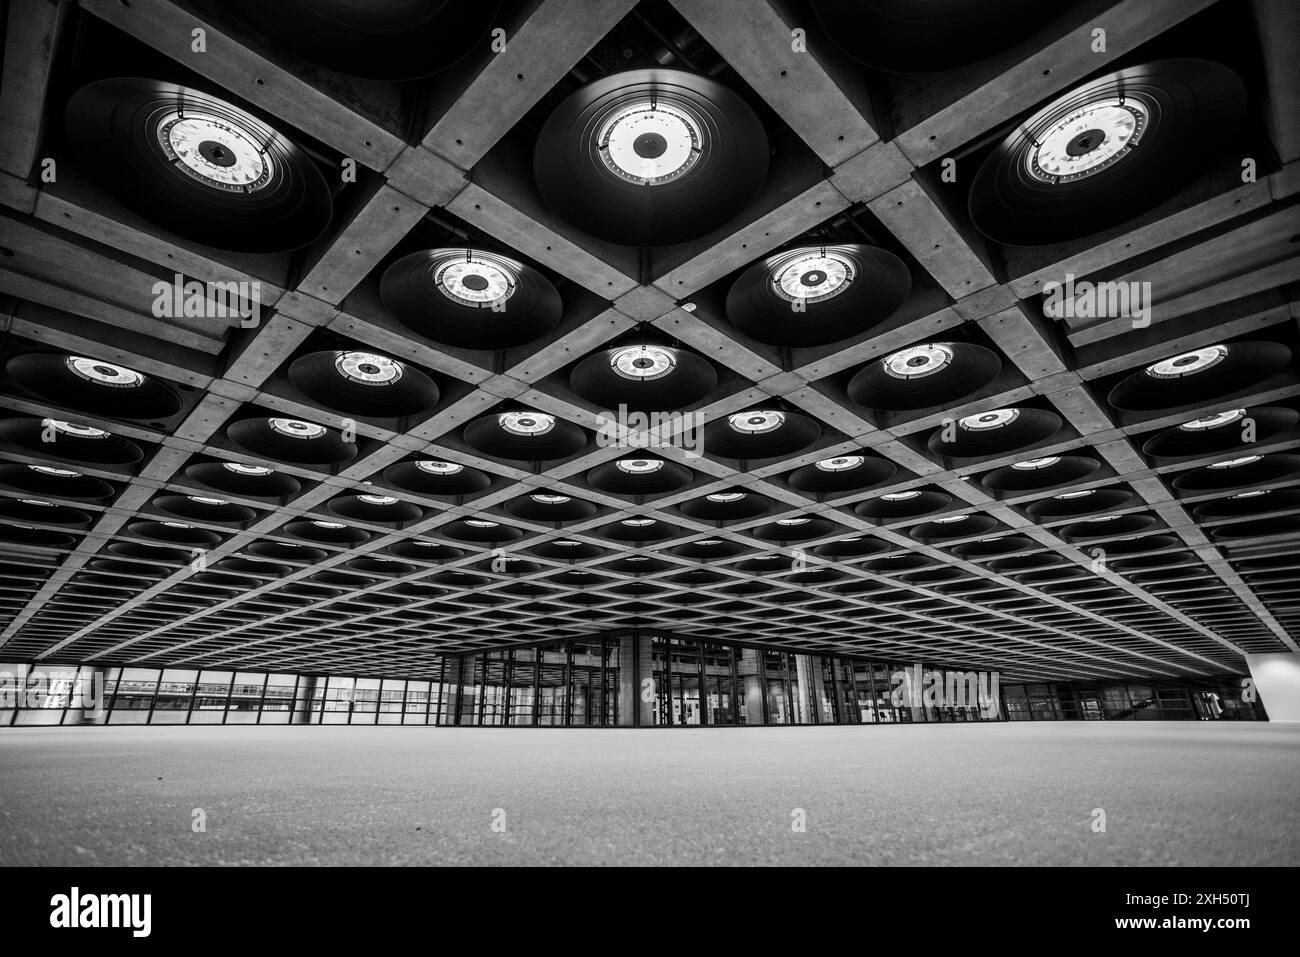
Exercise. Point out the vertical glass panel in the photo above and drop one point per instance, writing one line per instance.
(338, 700)
(245, 697)
(278, 705)
(134, 695)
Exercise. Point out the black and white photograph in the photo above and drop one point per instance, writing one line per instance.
(650, 434)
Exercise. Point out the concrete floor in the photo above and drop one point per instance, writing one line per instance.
(1173, 793)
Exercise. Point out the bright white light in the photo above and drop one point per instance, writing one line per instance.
(477, 279)
(1041, 463)
(1079, 494)
(322, 524)
(434, 467)
(1234, 463)
(242, 469)
(59, 473)
(526, 423)
(105, 373)
(916, 362)
(368, 368)
(639, 466)
(1213, 421)
(481, 523)
(813, 276)
(725, 496)
(377, 499)
(638, 522)
(80, 431)
(840, 463)
(207, 500)
(297, 428)
(545, 499)
(1189, 363)
(993, 419)
(757, 422)
(1087, 140)
(643, 362)
(793, 521)
(900, 496)
(217, 152)
(650, 142)
(948, 519)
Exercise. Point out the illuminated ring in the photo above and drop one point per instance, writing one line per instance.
(296, 428)
(1189, 363)
(643, 363)
(526, 423)
(105, 373)
(757, 422)
(987, 421)
(198, 166)
(616, 168)
(1107, 151)
(816, 295)
(368, 368)
(917, 362)
(470, 298)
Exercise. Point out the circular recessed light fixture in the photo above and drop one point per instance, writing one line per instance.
(548, 499)
(650, 143)
(638, 522)
(526, 423)
(643, 362)
(377, 499)
(241, 469)
(207, 500)
(566, 543)
(756, 422)
(901, 496)
(220, 153)
(1234, 463)
(639, 466)
(368, 368)
(1087, 140)
(197, 165)
(1106, 151)
(481, 523)
(1252, 494)
(725, 496)
(1215, 421)
(840, 463)
(470, 298)
(1189, 363)
(478, 279)
(435, 467)
(105, 373)
(296, 428)
(813, 276)
(650, 157)
(949, 519)
(80, 431)
(985, 421)
(323, 524)
(1046, 461)
(792, 521)
(58, 473)
(917, 362)
(816, 295)
(1066, 496)
(709, 541)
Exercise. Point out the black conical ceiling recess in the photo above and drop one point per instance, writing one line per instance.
(283, 439)
(1199, 376)
(93, 385)
(650, 157)
(928, 36)
(197, 165)
(470, 298)
(847, 472)
(994, 432)
(357, 382)
(65, 441)
(377, 39)
(644, 377)
(1221, 432)
(239, 478)
(815, 295)
(922, 376)
(760, 434)
(437, 477)
(525, 435)
(1107, 151)
(637, 473)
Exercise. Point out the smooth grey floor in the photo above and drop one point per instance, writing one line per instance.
(1173, 793)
